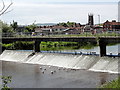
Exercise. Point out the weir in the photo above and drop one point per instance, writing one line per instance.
(92, 63)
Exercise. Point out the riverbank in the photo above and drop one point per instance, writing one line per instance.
(115, 84)
(49, 46)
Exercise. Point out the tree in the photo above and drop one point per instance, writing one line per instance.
(31, 28)
(14, 25)
(71, 24)
(68, 24)
(63, 24)
(5, 8)
(6, 28)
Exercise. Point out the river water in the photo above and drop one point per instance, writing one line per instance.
(31, 76)
(43, 71)
(114, 49)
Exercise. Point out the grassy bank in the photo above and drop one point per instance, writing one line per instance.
(111, 44)
(48, 46)
(21, 45)
(113, 84)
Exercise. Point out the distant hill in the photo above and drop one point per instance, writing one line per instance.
(45, 24)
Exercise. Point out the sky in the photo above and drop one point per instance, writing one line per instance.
(54, 11)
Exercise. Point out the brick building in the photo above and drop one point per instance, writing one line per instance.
(112, 26)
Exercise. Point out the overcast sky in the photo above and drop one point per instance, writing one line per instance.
(55, 11)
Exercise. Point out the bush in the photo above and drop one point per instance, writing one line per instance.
(112, 84)
(18, 45)
(6, 80)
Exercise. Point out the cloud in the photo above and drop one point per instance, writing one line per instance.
(41, 12)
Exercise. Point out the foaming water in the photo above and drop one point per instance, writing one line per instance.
(92, 63)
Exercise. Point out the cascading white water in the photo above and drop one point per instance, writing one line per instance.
(93, 63)
(13, 55)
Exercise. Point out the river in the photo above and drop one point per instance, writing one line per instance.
(114, 49)
(31, 76)
(58, 70)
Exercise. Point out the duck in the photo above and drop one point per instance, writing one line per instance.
(51, 72)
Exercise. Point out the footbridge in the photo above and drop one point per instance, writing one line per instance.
(102, 41)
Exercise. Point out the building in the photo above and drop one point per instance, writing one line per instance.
(87, 28)
(73, 30)
(50, 30)
(97, 29)
(90, 20)
(111, 26)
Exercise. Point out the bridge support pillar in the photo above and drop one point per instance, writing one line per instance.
(102, 46)
(37, 46)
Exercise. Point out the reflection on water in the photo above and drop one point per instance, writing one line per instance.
(31, 76)
(115, 49)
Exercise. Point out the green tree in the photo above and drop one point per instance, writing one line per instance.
(6, 28)
(63, 24)
(14, 25)
(70, 24)
(30, 28)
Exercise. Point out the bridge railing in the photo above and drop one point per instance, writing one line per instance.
(86, 34)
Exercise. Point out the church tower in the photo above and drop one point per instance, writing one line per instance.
(90, 19)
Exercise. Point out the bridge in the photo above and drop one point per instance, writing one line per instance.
(102, 41)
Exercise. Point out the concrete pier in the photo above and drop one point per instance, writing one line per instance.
(37, 46)
(102, 46)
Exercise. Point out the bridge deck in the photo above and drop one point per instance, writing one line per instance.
(67, 39)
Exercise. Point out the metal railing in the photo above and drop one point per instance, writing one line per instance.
(85, 34)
